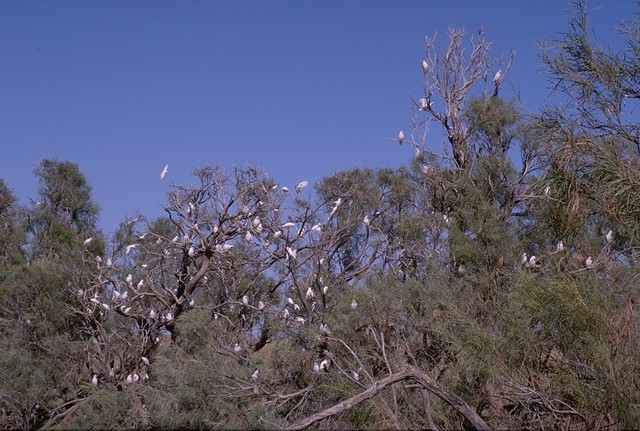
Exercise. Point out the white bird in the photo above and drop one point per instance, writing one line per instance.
(237, 348)
(254, 376)
(425, 66)
(316, 368)
(301, 185)
(109, 262)
(560, 246)
(547, 191)
(354, 304)
(324, 365)
(609, 237)
(164, 171)
(106, 307)
(292, 252)
(129, 378)
(290, 301)
(87, 241)
(497, 77)
(285, 189)
(366, 220)
(316, 228)
(98, 259)
(589, 262)
(129, 279)
(136, 377)
(80, 293)
(424, 105)
(277, 234)
(533, 260)
(126, 310)
(95, 301)
(260, 305)
(245, 300)
(355, 375)
(325, 289)
(169, 316)
(401, 137)
(94, 380)
(145, 360)
(129, 247)
(296, 307)
(324, 329)
(446, 219)
(256, 221)
(336, 205)
(288, 224)
(285, 314)
(191, 252)
(310, 294)
(525, 258)
(247, 236)
(153, 314)
(141, 284)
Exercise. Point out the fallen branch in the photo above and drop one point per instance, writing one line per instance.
(409, 373)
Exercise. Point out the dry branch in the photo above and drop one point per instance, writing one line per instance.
(410, 373)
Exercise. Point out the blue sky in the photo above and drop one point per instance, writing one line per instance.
(300, 88)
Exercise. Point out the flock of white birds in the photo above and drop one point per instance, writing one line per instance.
(291, 254)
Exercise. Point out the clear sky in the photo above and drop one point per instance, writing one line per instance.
(300, 88)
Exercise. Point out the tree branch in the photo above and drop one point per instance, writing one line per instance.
(410, 373)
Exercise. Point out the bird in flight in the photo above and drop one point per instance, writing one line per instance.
(164, 171)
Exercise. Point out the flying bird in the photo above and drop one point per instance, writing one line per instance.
(301, 185)
(130, 247)
(164, 171)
